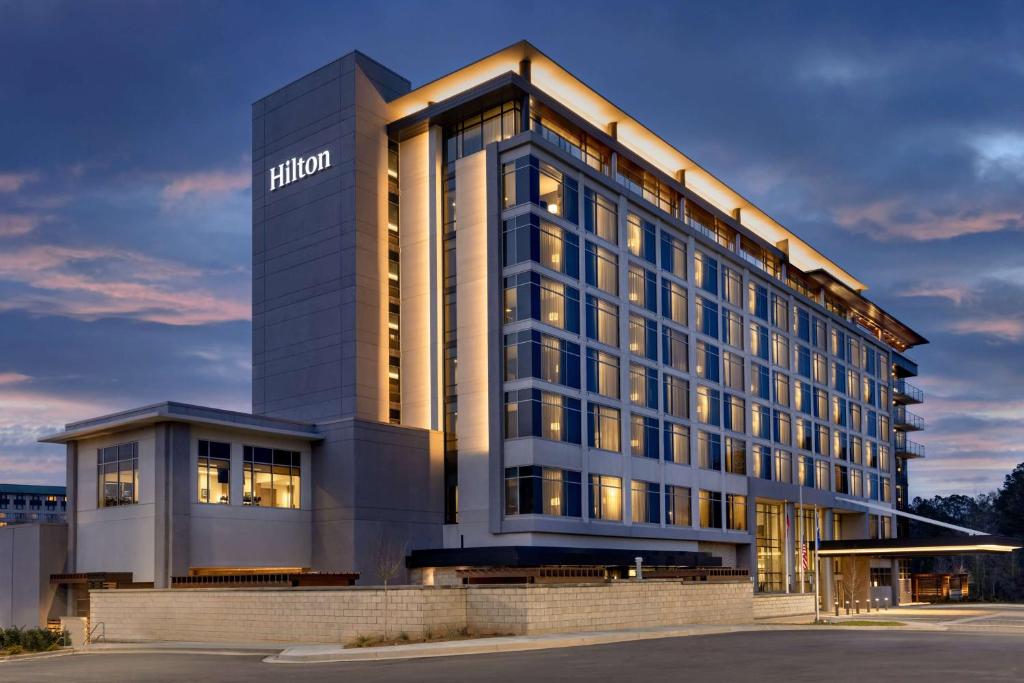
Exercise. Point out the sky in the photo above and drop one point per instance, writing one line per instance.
(888, 135)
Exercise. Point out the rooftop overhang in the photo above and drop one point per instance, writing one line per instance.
(168, 411)
(551, 78)
(920, 547)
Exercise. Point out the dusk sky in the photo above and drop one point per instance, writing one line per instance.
(888, 135)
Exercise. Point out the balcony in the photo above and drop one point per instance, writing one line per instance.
(904, 393)
(903, 366)
(907, 449)
(906, 421)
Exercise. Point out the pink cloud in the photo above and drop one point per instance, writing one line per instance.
(894, 219)
(206, 183)
(12, 182)
(1009, 329)
(15, 224)
(12, 378)
(955, 293)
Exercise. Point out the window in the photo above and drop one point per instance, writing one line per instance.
(781, 427)
(762, 461)
(855, 416)
(805, 471)
(602, 269)
(473, 133)
(643, 288)
(781, 389)
(820, 404)
(802, 324)
(707, 317)
(710, 509)
(856, 450)
(735, 408)
(709, 451)
(732, 287)
(760, 384)
(675, 350)
(819, 335)
(271, 477)
(673, 256)
(529, 180)
(640, 238)
(759, 341)
(677, 443)
(643, 386)
(780, 350)
(820, 369)
(840, 445)
(602, 321)
(732, 328)
(732, 371)
(645, 502)
(821, 469)
(534, 490)
(605, 497)
(803, 434)
(602, 373)
(802, 397)
(856, 482)
(736, 512)
(802, 356)
(677, 505)
(780, 312)
(532, 296)
(643, 337)
(117, 472)
(705, 270)
(839, 411)
(761, 421)
(757, 300)
(783, 466)
(600, 216)
(528, 238)
(735, 456)
(531, 412)
(842, 474)
(531, 353)
(677, 396)
(707, 359)
(643, 436)
(214, 472)
(603, 427)
(673, 301)
(709, 406)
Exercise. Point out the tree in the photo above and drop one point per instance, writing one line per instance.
(388, 561)
(1009, 503)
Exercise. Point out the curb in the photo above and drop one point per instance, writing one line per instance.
(39, 655)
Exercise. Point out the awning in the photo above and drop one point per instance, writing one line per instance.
(920, 547)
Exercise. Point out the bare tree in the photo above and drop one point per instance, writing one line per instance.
(388, 562)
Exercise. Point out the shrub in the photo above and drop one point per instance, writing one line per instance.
(16, 639)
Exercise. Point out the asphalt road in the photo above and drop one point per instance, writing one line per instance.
(825, 655)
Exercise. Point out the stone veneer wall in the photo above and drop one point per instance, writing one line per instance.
(783, 605)
(317, 615)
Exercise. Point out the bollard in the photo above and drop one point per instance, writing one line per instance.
(837, 608)
(868, 605)
(857, 605)
(847, 608)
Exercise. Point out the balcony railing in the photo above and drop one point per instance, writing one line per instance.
(905, 393)
(906, 420)
(905, 448)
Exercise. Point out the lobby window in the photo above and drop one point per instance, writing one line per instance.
(709, 451)
(473, 133)
(528, 179)
(762, 461)
(117, 472)
(602, 320)
(677, 505)
(605, 498)
(735, 456)
(600, 216)
(760, 382)
(733, 413)
(757, 300)
(736, 512)
(643, 386)
(602, 269)
(535, 490)
(707, 317)
(732, 371)
(781, 389)
(761, 421)
(643, 436)
(643, 337)
(677, 443)
(673, 255)
(531, 353)
(675, 349)
(646, 502)
(783, 466)
(603, 427)
(673, 301)
(528, 238)
(532, 412)
(271, 477)
(710, 509)
(643, 288)
(780, 312)
(759, 347)
(640, 238)
(214, 472)
(677, 396)
(732, 287)
(781, 427)
(732, 328)
(532, 296)
(780, 350)
(709, 406)
(705, 271)
(602, 373)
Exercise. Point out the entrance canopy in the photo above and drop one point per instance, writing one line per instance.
(920, 547)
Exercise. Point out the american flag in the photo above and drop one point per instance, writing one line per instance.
(803, 555)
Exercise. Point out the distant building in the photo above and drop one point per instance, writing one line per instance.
(24, 503)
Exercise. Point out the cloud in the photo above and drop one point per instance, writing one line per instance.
(16, 224)
(12, 182)
(1008, 329)
(838, 70)
(205, 184)
(895, 219)
(12, 378)
(954, 293)
(1001, 152)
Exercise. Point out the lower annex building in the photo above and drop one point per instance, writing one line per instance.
(498, 322)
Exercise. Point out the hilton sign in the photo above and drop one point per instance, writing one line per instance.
(297, 168)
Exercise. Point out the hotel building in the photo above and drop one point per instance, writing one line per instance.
(497, 322)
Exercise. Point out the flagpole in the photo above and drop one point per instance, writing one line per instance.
(817, 567)
(800, 529)
(785, 545)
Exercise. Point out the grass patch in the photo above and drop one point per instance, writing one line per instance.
(861, 622)
(430, 636)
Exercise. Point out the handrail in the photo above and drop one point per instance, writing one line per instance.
(103, 634)
(905, 417)
(907, 389)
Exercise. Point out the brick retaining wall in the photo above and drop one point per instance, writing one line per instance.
(783, 605)
(317, 615)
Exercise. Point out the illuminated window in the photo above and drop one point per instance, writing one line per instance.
(117, 474)
(675, 349)
(673, 256)
(534, 490)
(710, 509)
(709, 406)
(603, 427)
(677, 505)
(643, 386)
(640, 237)
(673, 301)
(600, 216)
(732, 287)
(643, 336)
(645, 502)
(736, 512)
(643, 436)
(602, 269)
(602, 373)
(602, 321)
(214, 472)
(705, 271)
(529, 180)
(605, 498)
(677, 443)
(643, 288)
(676, 396)
(732, 371)
(709, 451)
(735, 456)
(271, 477)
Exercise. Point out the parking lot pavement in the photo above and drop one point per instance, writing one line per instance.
(969, 617)
(772, 655)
